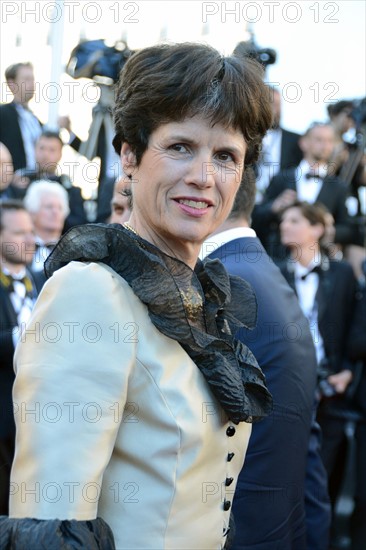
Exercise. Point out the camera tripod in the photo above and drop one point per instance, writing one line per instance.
(101, 132)
(99, 143)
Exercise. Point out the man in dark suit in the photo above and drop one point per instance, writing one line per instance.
(19, 127)
(280, 148)
(17, 297)
(269, 504)
(311, 181)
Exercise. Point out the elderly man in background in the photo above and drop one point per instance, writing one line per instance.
(48, 205)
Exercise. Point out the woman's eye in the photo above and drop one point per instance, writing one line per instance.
(223, 156)
(179, 147)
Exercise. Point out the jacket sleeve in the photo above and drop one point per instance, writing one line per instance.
(23, 534)
(344, 231)
(72, 375)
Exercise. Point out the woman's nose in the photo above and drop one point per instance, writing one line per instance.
(202, 172)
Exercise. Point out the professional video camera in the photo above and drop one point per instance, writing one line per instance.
(358, 112)
(94, 58)
(97, 60)
(265, 56)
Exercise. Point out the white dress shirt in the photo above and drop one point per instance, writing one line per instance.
(214, 242)
(306, 291)
(21, 303)
(269, 161)
(308, 188)
(43, 250)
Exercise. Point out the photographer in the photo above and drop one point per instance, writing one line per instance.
(349, 159)
(349, 163)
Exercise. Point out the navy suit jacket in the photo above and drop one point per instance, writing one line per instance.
(269, 502)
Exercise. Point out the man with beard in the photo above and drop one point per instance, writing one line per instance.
(312, 181)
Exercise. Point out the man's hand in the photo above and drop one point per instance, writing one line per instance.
(64, 122)
(341, 380)
(285, 199)
(19, 181)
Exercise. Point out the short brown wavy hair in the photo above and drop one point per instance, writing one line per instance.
(167, 83)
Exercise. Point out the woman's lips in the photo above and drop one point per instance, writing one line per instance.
(193, 207)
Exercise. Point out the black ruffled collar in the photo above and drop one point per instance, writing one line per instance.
(200, 309)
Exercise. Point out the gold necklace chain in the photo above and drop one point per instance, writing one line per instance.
(127, 226)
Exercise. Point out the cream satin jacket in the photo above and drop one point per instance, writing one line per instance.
(115, 420)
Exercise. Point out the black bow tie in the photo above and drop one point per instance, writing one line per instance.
(316, 269)
(8, 282)
(311, 175)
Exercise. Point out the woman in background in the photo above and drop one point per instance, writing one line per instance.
(326, 289)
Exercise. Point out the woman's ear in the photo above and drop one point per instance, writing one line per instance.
(128, 159)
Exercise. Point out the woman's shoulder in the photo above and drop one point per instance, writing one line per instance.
(84, 274)
(92, 286)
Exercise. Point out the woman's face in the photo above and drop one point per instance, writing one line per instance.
(297, 231)
(185, 185)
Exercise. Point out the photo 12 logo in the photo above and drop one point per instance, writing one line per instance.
(52, 12)
(252, 12)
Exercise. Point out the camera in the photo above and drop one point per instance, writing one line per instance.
(265, 56)
(94, 58)
(358, 112)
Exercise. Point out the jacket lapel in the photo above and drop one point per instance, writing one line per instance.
(323, 294)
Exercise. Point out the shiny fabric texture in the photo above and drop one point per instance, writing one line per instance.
(32, 534)
(200, 309)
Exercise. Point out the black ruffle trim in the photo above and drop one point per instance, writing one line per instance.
(32, 534)
(200, 309)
